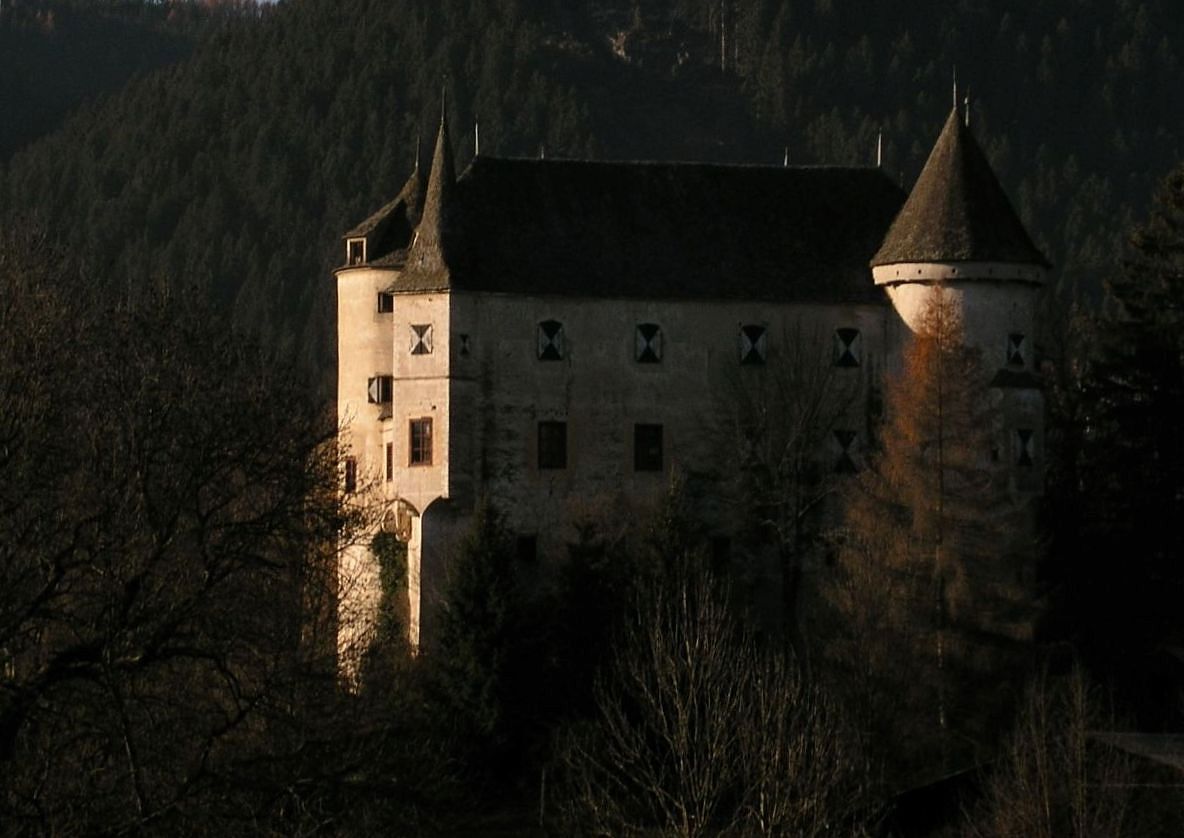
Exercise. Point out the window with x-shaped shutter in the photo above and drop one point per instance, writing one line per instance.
(421, 339)
(846, 347)
(648, 343)
(550, 340)
(754, 345)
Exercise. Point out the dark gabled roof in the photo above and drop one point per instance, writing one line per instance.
(957, 211)
(662, 230)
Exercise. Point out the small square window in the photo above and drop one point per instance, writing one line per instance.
(420, 448)
(846, 347)
(390, 462)
(386, 302)
(355, 252)
(351, 475)
(754, 345)
(647, 447)
(550, 340)
(1015, 350)
(647, 348)
(380, 389)
(421, 339)
(552, 445)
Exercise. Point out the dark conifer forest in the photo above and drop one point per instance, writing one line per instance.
(175, 179)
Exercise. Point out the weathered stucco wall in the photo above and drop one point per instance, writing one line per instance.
(502, 390)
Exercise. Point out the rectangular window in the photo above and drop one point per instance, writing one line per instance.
(386, 302)
(380, 389)
(647, 447)
(552, 445)
(351, 475)
(390, 462)
(420, 446)
(527, 548)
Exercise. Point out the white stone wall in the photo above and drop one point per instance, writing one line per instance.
(501, 391)
(995, 300)
(363, 351)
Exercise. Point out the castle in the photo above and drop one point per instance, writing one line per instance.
(547, 332)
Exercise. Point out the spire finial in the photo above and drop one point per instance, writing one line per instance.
(966, 106)
(444, 100)
(476, 138)
(785, 162)
(955, 87)
(879, 149)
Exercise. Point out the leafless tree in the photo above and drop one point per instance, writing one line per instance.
(169, 516)
(698, 731)
(1049, 779)
(776, 424)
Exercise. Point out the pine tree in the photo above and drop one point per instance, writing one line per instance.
(923, 572)
(1130, 469)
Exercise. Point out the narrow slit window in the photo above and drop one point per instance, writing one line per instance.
(351, 475)
(390, 462)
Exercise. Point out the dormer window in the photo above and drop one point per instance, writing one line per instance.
(754, 345)
(1015, 350)
(355, 252)
(846, 347)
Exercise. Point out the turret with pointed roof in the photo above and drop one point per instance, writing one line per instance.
(957, 211)
(434, 237)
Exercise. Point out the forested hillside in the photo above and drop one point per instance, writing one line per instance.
(236, 170)
(57, 56)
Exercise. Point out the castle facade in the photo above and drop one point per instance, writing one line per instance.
(552, 334)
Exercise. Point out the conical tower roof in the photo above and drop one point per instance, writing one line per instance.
(957, 211)
(434, 225)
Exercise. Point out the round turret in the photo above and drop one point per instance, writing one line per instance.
(958, 230)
